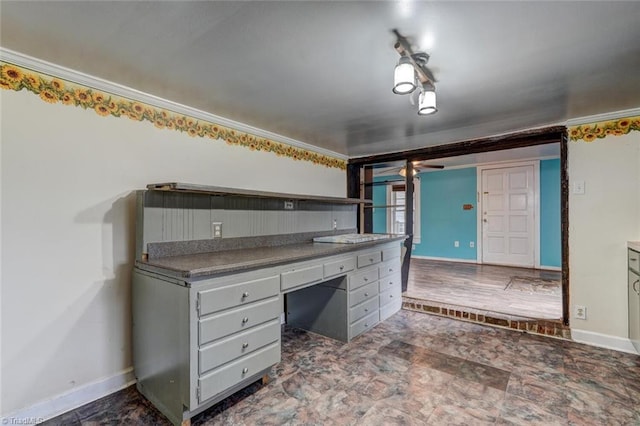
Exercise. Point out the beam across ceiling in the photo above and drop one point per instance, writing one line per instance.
(494, 143)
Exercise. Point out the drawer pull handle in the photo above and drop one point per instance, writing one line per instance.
(341, 267)
(371, 259)
(245, 345)
(391, 296)
(245, 370)
(366, 324)
(390, 269)
(631, 259)
(245, 294)
(634, 286)
(366, 279)
(366, 309)
(366, 294)
(245, 320)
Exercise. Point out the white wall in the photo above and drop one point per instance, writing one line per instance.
(600, 223)
(67, 221)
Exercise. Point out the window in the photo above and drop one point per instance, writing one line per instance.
(396, 196)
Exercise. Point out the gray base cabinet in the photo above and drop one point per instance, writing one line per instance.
(345, 307)
(197, 341)
(634, 298)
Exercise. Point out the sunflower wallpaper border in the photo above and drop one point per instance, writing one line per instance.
(591, 132)
(53, 90)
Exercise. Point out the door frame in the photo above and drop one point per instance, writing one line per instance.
(536, 206)
(359, 175)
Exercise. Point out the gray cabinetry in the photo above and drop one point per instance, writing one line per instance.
(634, 298)
(345, 306)
(197, 342)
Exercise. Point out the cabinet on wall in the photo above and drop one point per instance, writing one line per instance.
(634, 298)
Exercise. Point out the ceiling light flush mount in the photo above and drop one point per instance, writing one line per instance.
(412, 66)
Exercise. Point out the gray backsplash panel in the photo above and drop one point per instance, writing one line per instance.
(175, 216)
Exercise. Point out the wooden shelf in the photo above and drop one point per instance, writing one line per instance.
(221, 191)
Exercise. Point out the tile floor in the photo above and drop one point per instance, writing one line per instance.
(417, 369)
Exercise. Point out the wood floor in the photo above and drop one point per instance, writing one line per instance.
(521, 292)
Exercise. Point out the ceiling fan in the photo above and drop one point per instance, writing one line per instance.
(418, 166)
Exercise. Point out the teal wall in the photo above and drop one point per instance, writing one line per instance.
(550, 242)
(443, 220)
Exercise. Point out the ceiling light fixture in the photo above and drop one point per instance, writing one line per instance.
(404, 77)
(412, 66)
(427, 101)
(403, 172)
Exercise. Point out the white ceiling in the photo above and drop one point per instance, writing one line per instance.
(321, 72)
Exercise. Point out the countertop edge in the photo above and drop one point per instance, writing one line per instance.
(198, 273)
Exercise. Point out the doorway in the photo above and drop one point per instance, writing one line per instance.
(479, 148)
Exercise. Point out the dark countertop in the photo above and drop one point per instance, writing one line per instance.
(220, 262)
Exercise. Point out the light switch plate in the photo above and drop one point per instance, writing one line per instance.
(578, 187)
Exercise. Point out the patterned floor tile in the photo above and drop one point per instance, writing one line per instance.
(409, 370)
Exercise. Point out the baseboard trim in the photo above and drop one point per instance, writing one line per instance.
(77, 397)
(550, 268)
(444, 259)
(606, 341)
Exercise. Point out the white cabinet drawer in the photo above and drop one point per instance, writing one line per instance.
(339, 267)
(232, 321)
(634, 260)
(363, 293)
(369, 259)
(364, 324)
(237, 345)
(389, 309)
(363, 309)
(217, 299)
(363, 278)
(390, 295)
(392, 281)
(231, 374)
(297, 277)
(389, 268)
(390, 253)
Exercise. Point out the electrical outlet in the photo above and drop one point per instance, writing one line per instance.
(580, 312)
(578, 187)
(456, 243)
(335, 224)
(216, 229)
(288, 205)
(472, 244)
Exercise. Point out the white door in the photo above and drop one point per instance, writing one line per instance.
(508, 216)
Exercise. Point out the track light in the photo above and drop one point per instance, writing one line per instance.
(427, 101)
(404, 77)
(411, 67)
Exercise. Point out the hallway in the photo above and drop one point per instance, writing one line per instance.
(521, 292)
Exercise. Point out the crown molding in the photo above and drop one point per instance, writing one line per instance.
(603, 117)
(83, 79)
